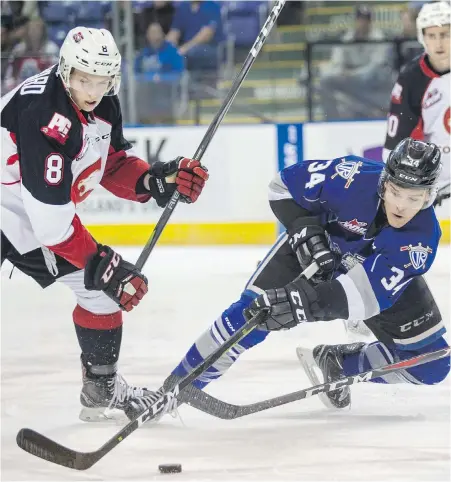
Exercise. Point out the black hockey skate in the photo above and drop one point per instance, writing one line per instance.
(105, 393)
(329, 360)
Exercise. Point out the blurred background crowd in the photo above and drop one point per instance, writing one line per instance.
(325, 60)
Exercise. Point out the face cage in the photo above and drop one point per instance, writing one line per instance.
(385, 177)
(64, 71)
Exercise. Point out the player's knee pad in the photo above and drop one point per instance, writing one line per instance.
(93, 301)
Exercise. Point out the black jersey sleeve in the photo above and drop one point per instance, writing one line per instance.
(118, 141)
(405, 119)
(46, 173)
(47, 142)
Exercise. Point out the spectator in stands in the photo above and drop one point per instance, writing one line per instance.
(358, 74)
(31, 56)
(14, 17)
(408, 45)
(159, 60)
(160, 12)
(197, 31)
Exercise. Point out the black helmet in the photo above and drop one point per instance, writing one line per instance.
(415, 165)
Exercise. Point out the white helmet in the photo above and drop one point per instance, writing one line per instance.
(432, 15)
(93, 51)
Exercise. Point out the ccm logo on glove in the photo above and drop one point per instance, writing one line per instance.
(297, 301)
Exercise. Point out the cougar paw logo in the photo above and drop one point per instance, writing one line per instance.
(446, 121)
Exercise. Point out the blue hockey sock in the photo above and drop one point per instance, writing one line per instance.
(222, 329)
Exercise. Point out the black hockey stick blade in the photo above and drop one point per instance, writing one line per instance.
(44, 448)
(41, 446)
(228, 411)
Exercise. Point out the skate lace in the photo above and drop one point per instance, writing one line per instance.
(170, 405)
(122, 391)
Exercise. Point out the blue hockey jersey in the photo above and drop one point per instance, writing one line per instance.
(375, 268)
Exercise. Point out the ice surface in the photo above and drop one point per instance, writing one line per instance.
(399, 432)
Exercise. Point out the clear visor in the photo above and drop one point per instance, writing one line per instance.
(94, 88)
(405, 199)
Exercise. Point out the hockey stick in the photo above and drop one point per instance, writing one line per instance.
(252, 55)
(217, 408)
(41, 446)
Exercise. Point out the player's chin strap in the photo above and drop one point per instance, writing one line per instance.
(217, 408)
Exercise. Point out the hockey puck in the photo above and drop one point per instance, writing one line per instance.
(170, 468)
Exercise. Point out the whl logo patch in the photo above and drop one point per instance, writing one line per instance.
(417, 254)
(357, 227)
(347, 170)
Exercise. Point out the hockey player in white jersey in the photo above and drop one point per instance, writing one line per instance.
(420, 104)
(61, 137)
(420, 100)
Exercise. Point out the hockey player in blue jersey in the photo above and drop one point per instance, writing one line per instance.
(373, 232)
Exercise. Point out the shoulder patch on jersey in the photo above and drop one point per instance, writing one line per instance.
(357, 227)
(347, 170)
(396, 93)
(431, 98)
(58, 128)
(418, 255)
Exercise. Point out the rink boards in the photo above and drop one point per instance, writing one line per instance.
(241, 159)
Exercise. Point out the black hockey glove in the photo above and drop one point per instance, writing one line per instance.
(120, 280)
(296, 303)
(310, 242)
(163, 178)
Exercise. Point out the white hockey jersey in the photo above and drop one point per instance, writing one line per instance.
(420, 108)
(53, 155)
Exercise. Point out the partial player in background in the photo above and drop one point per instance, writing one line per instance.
(62, 137)
(420, 104)
(420, 100)
(373, 234)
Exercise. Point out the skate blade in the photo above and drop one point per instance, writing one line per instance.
(305, 356)
(102, 414)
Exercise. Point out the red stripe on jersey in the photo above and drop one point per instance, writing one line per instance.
(80, 116)
(78, 247)
(426, 69)
(418, 131)
(86, 319)
(12, 159)
(122, 173)
(13, 137)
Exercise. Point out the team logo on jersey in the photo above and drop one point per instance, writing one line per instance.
(417, 254)
(78, 37)
(86, 182)
(347, 170)
(446, 121)
(58, 128)
(357, 227)
(431, 98)
(349, 260)
(396, 94)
